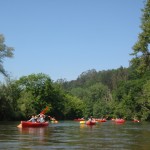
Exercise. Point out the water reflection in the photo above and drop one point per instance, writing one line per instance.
(34, 135)
(34, 131)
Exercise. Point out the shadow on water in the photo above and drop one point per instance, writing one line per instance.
(73, 135)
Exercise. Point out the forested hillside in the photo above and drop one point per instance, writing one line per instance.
(112, 93)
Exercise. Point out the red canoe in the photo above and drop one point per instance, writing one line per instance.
(90, 122)
(33, 124)
(101, 120)
(119, 120)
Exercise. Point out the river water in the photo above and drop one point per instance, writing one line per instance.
(69, 135)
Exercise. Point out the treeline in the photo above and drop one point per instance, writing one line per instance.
(19, 99)
(113, 93)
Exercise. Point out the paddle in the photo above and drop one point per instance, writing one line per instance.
(44, 110)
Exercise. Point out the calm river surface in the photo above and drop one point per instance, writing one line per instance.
(69, 135)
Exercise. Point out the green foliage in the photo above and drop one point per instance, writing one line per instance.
(96, 100)
(79, 92)
(40, 88)
(74, 107)
(144, 102)
(100, 109)
(8, 100)
(31, 94)
(25, 104)
(130, 99)
(5, 52)
(141, 47)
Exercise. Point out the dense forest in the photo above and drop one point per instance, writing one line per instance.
(122, 92)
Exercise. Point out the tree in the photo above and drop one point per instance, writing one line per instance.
(9, 93)
(74, 107)
(5, 51)
(144, 102)
(141, 62)
(39, 88)
(96, 100)
(37, 92)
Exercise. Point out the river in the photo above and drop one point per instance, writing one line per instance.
(69, 135)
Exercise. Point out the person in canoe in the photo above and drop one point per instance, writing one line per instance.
(41, 118)
(91, 118)
(32, 119)
(52, 119)
(38, 118)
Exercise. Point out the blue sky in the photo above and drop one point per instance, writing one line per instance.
(63, 38)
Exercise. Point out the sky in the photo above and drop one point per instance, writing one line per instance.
(63, 38)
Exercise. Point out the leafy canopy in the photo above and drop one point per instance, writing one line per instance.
(5, 52)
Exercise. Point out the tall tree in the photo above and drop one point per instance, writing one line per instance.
(5, 51)
(141, 48)
(39, 88)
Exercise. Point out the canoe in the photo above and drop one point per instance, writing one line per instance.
(119, 120)
(101, 120)
(90, 122)
(33, 124)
